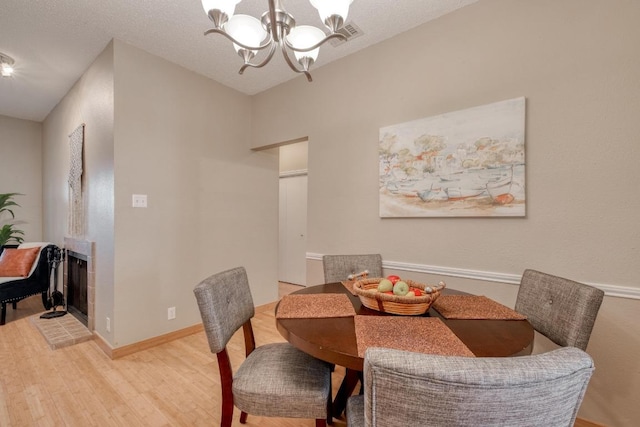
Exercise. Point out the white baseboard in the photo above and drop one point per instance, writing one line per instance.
(488, 276)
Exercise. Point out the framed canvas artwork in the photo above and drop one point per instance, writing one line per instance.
(467, 163)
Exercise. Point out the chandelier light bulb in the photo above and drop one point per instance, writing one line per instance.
(328, 8)
(303, 37)
(226, 6)
(245, 29)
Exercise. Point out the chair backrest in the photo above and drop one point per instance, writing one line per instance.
(225, 304)
(411, 389)
(337, 268)
(561, 309)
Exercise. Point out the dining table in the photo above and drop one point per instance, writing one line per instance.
(338, 338)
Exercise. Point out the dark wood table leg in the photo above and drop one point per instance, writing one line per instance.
(349, 383)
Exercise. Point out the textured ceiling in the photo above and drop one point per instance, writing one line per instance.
(54, 41)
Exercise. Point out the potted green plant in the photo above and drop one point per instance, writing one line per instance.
(9, 234)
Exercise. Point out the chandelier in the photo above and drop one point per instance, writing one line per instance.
(276, 29)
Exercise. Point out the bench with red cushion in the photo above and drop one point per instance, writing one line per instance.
(23, 275)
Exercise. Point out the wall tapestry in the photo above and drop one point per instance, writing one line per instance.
(467, 163)
(76, 207)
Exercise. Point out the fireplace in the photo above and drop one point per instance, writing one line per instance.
(79, 280)
(77, 273)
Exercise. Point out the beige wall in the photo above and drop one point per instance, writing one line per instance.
(183, 140)
(21, 172)
(576, 63)
(577, 76)
(90, 101)
(293, 157)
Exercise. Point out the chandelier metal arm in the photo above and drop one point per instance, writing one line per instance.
(261, 64)
(244, 46)
(272, 17)
(292, 65)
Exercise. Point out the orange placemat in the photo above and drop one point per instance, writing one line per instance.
(418, 334)
(349, 285)
(474, 307)
(314, 305)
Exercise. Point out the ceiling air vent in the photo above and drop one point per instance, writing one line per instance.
(350, 31)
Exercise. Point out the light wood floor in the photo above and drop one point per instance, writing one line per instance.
(174, 384)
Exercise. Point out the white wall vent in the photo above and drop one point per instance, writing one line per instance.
(350, 31)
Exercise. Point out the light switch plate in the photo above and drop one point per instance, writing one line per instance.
(139, 200)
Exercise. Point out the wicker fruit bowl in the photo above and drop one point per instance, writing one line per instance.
(367, 291)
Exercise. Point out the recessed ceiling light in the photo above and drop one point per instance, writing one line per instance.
(6, 65)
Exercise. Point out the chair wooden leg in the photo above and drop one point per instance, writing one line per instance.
(226, 419)
(321, 423)
(243, 417)
(226, 378)
(329, 410)
(227, 413)
(14, 305)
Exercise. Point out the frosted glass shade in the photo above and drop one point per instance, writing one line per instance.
(227, 6)
(245, 29)
(305, 36)
(327, 8)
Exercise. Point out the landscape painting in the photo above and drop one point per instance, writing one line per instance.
(467, 163)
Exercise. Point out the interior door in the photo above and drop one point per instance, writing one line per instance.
(293, 230)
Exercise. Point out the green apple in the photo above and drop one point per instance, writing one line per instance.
(385, 285)
(401, 288)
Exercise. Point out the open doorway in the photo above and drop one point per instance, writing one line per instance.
(292, 255)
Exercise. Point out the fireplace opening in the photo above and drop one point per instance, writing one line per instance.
(77, 272)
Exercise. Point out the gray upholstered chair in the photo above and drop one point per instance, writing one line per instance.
(560, 309)
(275, 380)
(338, 267)
(414, 389)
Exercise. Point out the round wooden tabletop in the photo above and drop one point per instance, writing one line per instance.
(334, 339)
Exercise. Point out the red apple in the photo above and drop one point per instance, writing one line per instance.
(393, 278)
